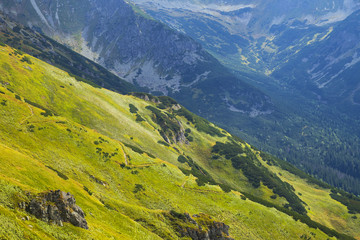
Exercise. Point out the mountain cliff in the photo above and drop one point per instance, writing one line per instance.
(145, 52)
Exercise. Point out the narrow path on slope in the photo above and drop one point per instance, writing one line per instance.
(32, 114)
(186, 179)
(125, 156)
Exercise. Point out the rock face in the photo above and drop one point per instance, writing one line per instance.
(200, 227)
(57, 207)
(215, 231)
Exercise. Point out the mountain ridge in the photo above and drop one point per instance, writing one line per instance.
(144, 52)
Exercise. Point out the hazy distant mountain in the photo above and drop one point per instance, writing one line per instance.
(143, 51)
(257, 34)
(330, 68)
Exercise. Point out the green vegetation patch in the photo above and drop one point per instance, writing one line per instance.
(47, 113)
(163, 143)
(243, 158)
(88, 190)
(138, 188)
(139, 118)
(145, 96)
(134, 148)
(138, 150)
(182, 159)
(133, 109)
(200, 123)
(168, 123)
(188, 136)
(273, 161)
(167, 101)
(351, 201)
(26, 59)
(201, 174)
(60, 174)
(106, 156)
(302, 218)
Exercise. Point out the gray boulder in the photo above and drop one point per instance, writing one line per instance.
(57, 207)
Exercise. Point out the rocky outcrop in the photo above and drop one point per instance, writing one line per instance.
(180, 135)
(216, 231)
(146, 97)
(174, 135)
(199, 227)
(57, 207)
(211, 231)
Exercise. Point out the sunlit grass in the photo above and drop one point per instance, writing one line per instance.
(32, 146)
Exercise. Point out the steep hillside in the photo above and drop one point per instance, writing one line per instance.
(145, 52)
(135, 164)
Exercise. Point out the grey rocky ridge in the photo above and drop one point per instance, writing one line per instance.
(56, 207)
(48, 50)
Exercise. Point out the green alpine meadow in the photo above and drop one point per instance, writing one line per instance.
(144, 167)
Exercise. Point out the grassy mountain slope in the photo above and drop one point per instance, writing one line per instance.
(59, 133)
(315, 70)
(285, 128)
(286, 133)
